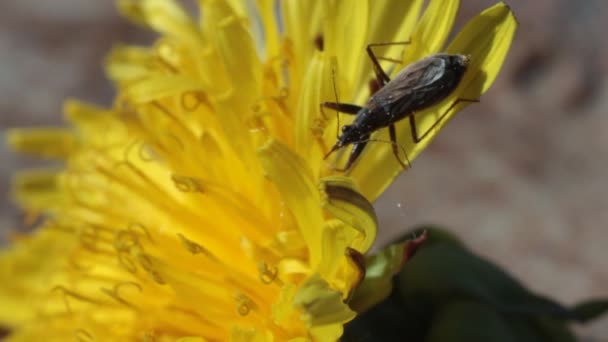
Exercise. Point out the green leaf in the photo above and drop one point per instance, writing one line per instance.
(378, 282)
(470, 321)
(589, 310)
(446, 271)
(380, 269)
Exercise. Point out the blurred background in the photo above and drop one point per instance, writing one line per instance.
(522, 176)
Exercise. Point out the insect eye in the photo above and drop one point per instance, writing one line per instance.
(345, 128)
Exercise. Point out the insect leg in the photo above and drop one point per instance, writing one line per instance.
(355, 152)
(342, 107)
(417, 138)
(347, 108)
(395, 146)
(380, 74)
(339, 107)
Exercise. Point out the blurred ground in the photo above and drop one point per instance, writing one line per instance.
(521, 176)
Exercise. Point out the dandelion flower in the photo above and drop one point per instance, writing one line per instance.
(199, 207)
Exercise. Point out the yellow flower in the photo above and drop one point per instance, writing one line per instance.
(199, 207)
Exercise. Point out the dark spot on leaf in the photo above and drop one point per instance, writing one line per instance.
(319, 42)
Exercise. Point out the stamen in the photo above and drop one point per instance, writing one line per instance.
(125, 155)
(65, 293)
(114, 293)
(82, 335)
(256, 122)
(191, 246)
(146, 264)
(173, 117)
(187, 184)
(283, 94)
(126, 262)
(266, 274)
(262, 111)
(317, 130)
(88, 241)
(141, 227)
(192, 100)
(157, 278)
(244, 304)
(74, 185)
(125, 240)
(146, 153)
(146, 185)
(72, 260)
(166, 55)
(259, 106)
(178, 141)
(277, 71)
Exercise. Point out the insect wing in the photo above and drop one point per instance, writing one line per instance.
(416, 87)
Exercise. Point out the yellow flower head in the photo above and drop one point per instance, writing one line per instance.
(199, 207)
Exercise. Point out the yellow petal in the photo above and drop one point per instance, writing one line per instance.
(238, 74)
(345, 203)
(312, 126)
(283, 308)
(429, 36)
(91, 119)
(160, 87)
(31, 264)
(43, 142)
(378, 282)
(127, 63)
(38, 189)
(432, 30)
(268, 14)
(335, 240)
(488, 38)
(294, 180)
(337, 266)
(405, 15)
(322, 305)
(302, 24)
(487, 51)
(235, 46)
(164, 202)
(84, 114)
(344, 31)
(164, 16)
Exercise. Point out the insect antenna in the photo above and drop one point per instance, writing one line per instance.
(406, 165)
(334, 67)
(381, 75)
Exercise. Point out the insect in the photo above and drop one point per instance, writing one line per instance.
(418, 86)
